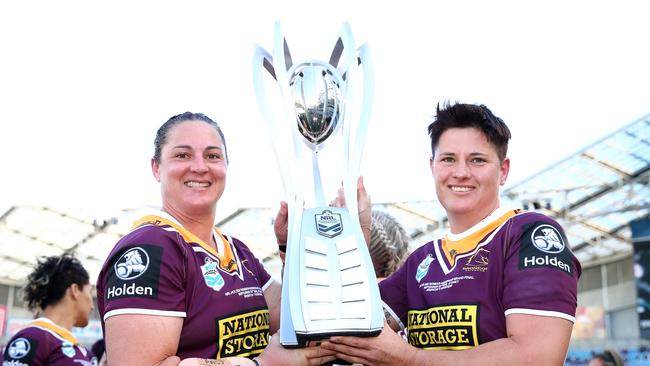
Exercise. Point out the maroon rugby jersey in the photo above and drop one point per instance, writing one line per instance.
(455, 292)
(162, 269)
(44, 343)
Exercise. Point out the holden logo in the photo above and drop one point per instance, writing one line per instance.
(132, 264)
(547, 239)
(19, 348)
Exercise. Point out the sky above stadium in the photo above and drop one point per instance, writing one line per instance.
(84, 86)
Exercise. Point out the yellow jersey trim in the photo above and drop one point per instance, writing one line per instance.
(62, 332)
(226, 261)
(453, 248)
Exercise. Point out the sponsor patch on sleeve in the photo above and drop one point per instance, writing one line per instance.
(20, 351)
(451, 327)
(544, 246)
(134, 272)
(243, 335)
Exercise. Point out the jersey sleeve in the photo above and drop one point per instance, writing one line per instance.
(541, 273)
(394, 295)
(145, 274)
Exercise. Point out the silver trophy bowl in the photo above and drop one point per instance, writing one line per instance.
(316, 91)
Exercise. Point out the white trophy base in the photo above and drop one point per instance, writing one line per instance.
(329, 285)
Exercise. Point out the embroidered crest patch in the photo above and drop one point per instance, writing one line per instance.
(211, 275)
(423, 268)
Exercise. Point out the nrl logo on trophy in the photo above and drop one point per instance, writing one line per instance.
(329, 224)
(317, 130)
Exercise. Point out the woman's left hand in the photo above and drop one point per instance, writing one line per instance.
(388, 348)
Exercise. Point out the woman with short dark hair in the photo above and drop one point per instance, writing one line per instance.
(499, 288)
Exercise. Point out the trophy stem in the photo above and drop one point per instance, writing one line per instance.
(319, 195)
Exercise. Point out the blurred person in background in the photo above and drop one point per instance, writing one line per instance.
(608, 357)
(98, 349)
(59, 291)
(388, 244)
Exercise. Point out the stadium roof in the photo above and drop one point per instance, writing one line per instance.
(596, 192)
(593, 193)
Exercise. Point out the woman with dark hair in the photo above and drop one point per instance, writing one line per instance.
(498, 288)
(58, 290)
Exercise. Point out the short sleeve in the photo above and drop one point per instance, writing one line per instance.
(393, 293)
(145, 274)
(541, 273)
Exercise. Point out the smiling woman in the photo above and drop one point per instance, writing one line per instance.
(191, 165)
(178, 280)
(498, 289)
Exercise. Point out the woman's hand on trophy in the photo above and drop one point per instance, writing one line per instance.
(365, 208)
(364, 205)
(276, 354)
(281, 228)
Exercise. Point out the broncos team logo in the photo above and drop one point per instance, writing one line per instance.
(132, 264)
(478, 262)
(480, 258)
(547, 239)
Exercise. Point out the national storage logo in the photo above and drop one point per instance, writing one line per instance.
(444, 327)
(243, 334)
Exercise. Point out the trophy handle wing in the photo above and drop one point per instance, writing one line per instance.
(264, 59)
(366, 108)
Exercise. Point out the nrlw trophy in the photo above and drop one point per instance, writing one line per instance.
(329, 286)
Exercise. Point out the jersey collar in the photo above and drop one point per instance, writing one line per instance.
(226, 259)
(48, 324)
(454, 246)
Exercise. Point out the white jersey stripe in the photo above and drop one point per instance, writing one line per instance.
(267, 284)
(391, 313)
(175, 314)
(554, 314)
